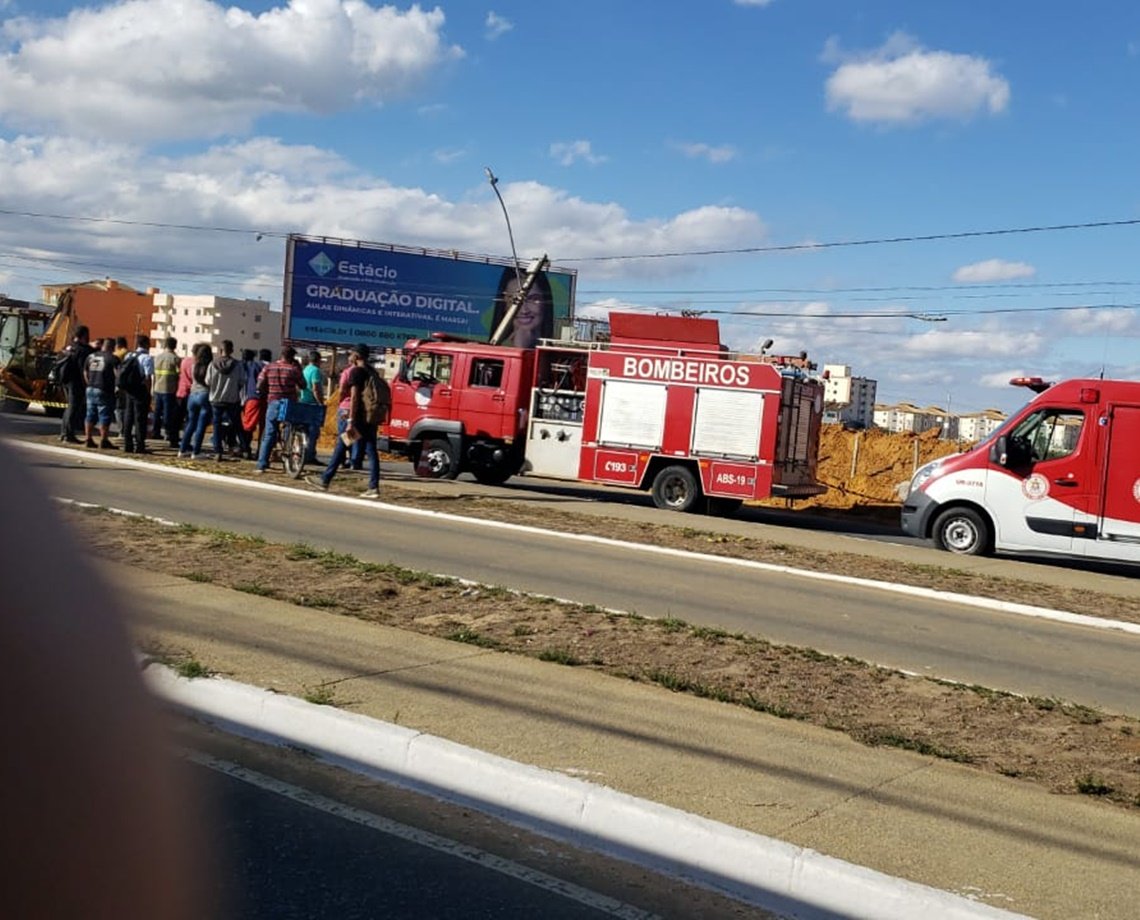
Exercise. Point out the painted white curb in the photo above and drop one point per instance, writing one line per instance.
(790, 880)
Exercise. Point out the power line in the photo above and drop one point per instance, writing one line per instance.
(122, 221)
(921, 288)
(912, 314)
(789, 247)
(837, 244)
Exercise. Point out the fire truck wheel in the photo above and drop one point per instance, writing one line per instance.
(438, 459)
(493, 474)
(963, 531)
(675, 489)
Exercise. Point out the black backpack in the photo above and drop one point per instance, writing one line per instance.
(65, 369)
(131, 380)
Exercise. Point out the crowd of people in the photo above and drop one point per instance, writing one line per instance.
(166, 398)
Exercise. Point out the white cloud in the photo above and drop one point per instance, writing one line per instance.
(1093, 322)
(999, 380)
(945, 344)
(448, 156)
(567, 153)
(902, 82)
(264, 185)
(154, 69)
(993, 270)
(720, 154)
(496, 25)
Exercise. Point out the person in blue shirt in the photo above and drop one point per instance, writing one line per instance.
(314, 395)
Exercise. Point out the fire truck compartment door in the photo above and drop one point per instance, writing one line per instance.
(726, 423)
(553, 448)
(632, 414)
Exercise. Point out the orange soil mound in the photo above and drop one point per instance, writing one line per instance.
(868, 467)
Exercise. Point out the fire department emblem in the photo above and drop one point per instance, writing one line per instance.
(1136, 490)
(1035, 487)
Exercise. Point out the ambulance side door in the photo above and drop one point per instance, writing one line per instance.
(1050, 487)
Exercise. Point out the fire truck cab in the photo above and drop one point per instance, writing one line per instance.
(1061, 476)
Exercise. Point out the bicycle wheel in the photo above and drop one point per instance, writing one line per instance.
(294, 449)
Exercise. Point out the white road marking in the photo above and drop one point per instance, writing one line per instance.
(985, 603)
(538, 879)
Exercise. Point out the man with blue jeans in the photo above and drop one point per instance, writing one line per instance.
(225, 378)
(356, 426)
(313, 394)
(99, 375)
(280, 381)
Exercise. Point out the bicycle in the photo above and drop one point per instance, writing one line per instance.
(295, 420)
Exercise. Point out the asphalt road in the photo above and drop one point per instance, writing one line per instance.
(289, 837)
(937, 638)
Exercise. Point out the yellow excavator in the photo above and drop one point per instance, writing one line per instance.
(31, 337)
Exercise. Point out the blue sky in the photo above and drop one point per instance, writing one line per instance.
(617, 129)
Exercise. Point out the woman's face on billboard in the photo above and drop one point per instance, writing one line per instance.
(530, 317)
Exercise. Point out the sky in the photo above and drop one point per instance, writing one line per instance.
(880, 184)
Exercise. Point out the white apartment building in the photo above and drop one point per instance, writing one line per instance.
(908, 417)
(194, 318)
(979, 425)
(848, 400)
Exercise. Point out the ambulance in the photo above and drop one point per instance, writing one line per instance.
(1060, 477)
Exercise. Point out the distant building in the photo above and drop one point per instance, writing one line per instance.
(979, 425)
(907, 417)
(848, 400)
(194, 318)
(105, 306)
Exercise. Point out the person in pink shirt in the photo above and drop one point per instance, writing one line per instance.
(185, 381)
(355, 459)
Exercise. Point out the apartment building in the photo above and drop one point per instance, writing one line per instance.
(194, 318)
(970, 427)
(979, 425)
(848, 400)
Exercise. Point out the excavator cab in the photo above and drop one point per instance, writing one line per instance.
(30, 336)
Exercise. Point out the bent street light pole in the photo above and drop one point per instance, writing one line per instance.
(494, 180)
(524, 284)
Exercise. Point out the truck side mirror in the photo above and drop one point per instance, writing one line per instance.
(999, 451)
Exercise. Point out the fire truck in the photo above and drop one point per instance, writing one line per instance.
(662, 406)
(1061, 476)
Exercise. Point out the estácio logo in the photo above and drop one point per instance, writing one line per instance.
(321, 264)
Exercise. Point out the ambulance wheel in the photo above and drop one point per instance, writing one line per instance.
(438, 459)
(962, 531)
(675, 489)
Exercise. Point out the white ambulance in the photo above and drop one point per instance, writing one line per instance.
(1060, 476)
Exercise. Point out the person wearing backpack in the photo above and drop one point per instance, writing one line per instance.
(135, 375)
(369, 401)
(69, 373)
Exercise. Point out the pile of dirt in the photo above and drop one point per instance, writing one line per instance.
(868, 468)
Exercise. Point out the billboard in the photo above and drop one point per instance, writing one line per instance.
(339, 292)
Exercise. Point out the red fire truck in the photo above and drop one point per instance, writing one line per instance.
(662, 406)
(1061, 476)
